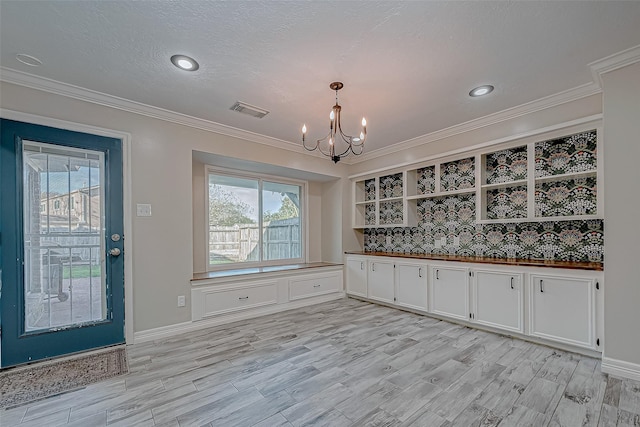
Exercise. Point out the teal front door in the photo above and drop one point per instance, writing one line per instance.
(61, 243)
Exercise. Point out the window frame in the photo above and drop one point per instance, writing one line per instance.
(304, 217)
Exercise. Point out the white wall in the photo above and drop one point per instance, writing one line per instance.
(161, 159)
(621, 109)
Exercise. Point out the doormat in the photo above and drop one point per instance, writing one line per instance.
(26, 384)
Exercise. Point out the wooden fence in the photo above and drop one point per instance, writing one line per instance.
(280, 240)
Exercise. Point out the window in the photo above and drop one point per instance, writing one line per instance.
(253, 221)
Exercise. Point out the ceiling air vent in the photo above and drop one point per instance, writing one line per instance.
(251, 110)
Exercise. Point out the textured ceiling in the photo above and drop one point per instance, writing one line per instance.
(407, 66)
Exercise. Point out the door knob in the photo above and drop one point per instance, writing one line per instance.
(115, 252)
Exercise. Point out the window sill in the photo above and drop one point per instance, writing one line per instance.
(258, 270)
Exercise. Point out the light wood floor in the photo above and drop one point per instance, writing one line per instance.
(345, 363)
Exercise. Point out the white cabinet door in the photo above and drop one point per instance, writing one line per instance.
(449, 294)
(411, 286)
(380, 281)
(357, 276)
(498, 300)
(562, 309)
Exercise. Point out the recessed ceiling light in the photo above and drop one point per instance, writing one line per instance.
(185, 63)
(29, 60)
(481, 90)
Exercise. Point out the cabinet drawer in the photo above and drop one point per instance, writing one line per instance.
(219, 302)
(304, 288)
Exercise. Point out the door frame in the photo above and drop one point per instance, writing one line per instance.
(126, 196)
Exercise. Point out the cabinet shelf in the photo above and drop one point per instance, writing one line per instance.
(539, 219)
(390, 199)
(504, 184)
(564, 176)
(441, 194)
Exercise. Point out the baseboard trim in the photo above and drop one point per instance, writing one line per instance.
(181, 328)
(620, 368)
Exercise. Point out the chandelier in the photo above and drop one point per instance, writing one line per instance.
(337, 144)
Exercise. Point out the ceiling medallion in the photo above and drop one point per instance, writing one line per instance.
(337, 144)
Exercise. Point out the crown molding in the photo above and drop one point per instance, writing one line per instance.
(613, 62)
(559, 98)
(76, 92)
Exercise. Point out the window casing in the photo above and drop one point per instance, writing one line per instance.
(253, 220)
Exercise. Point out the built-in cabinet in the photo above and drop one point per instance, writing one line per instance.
(563, 308)
(498, 299)
(449, 294)
(411, 285)
(380, 281)
(223, 299)
(549, 304)
(548, 180)
(356, 274)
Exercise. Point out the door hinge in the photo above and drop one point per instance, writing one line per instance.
(597, 285)
(598, 342)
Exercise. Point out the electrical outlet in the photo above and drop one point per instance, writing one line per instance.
(438, 243)
(181, 301)
(456, 241)
(444, 241)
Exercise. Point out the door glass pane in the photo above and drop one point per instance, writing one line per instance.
(281, 220)
(234, 234)
(63, 236)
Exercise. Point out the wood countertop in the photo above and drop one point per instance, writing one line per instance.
(575, 265)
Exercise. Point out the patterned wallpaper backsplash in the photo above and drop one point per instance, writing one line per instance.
(454, 216)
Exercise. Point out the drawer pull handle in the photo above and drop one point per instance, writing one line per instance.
(316, 286)
(541, 289)
(512, 283)
(373, 266)
(437, 275)
(420, 272)
(243, 297)
(361, 265)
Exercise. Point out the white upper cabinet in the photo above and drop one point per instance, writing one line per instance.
(548, 179)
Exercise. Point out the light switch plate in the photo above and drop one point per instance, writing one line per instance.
(143, 209)
(444, 241)
(388, 240)
(456, 241)
(182, 301)
(438, 243)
